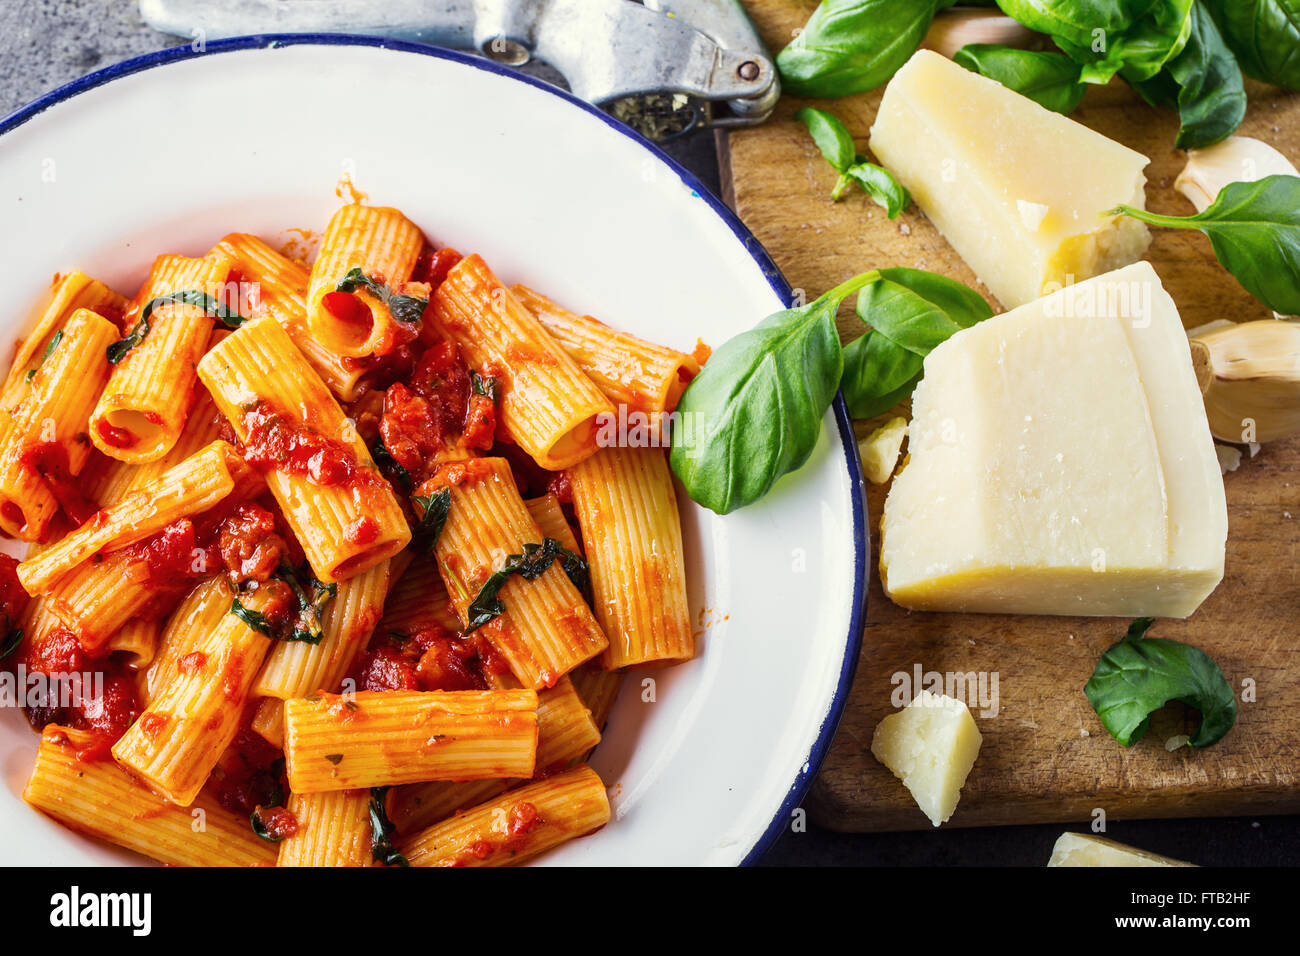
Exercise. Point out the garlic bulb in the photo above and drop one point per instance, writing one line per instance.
(1250, 377)
(953, 29)
(1238, 159)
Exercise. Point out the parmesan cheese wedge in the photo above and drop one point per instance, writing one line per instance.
(931, 745)
(1083, 849)
(1019, 191)
(1060, 462)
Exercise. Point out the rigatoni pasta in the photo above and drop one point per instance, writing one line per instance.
(545, 628)
(565, 733)
(627, 511)
(548, 406)
(381, 243)
(517, 825)
(193, 716)
(44, 446)
(340, 508)
(338, 742)
(630, 371)
(333, 829)
(144, 405)
(275, 510)
(102, 800)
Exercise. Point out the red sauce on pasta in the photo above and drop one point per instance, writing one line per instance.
(114, 437)
(276, 442)
(50, 461)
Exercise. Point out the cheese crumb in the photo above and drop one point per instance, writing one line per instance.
(1032, 214)
(1229, 458)
(880, 450)
(931, 745)
(1083, 849)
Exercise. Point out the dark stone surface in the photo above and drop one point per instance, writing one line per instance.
(45, 43)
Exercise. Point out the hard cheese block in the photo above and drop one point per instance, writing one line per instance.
(931, 745)
(1060, 463)
(1082, 849)
(1019, 191)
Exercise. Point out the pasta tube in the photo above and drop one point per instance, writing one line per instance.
(548, 406)
(378, 738)
(340, 508)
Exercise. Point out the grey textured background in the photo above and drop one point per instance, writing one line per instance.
(45, 43)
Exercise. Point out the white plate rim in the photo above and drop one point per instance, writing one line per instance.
(753, 248)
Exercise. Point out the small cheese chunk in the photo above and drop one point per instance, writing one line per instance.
(1084, 849)
(930, 745)
(1060, 462)
(880, 450)
(1019, 191)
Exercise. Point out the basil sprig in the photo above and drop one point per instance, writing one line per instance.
(55, 339)
(531, 564)
(210, 306)
(1264, 35)
(1139, 675)
(382, 848)
(307, 626)
(434, 511)
(849, 46)
(1203, 83)
(836, 146)
(406, 309)
(755, 412)
(910, 312)
(1255, 231)
(1182, 54)
(1049, 79)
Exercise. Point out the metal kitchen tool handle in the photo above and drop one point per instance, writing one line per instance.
(682, 56)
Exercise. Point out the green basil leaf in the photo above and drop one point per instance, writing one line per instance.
(254, 619)
(406, 309)
(910, 312)
(849, 46)
(1204, 84)
(831, 137)
(13, 638)
(480, 385)
(55, 339)
(530, 564)
(880, 184)
(920, 309)
(755, 412)
(260, 828)
(382, 849)
(1139, 675)
(1255, 231)
(877, 374)
(1081, 23)
(389, 465)
(435, 508)
(210, 306)
(1049, 79)
(1264, 35)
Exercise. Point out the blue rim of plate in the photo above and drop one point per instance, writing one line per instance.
(776, 280)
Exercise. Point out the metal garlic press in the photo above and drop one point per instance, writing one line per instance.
(664, 67)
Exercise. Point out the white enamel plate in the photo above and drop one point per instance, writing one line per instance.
(169, 152)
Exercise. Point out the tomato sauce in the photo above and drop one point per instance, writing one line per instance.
(430, 658)
(275, 442)
(50, 461)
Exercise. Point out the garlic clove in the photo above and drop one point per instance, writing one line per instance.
(1238, 159)
(1250, 377)
(953, 29)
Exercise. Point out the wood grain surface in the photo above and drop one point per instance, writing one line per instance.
(1045, 755)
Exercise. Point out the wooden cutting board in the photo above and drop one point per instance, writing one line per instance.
(1045, 755)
